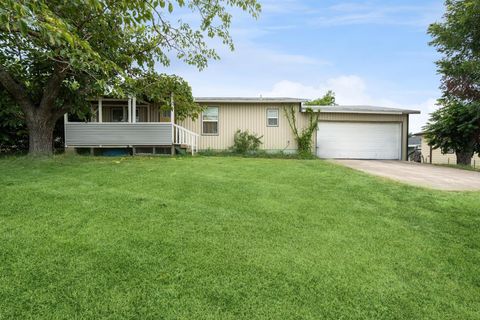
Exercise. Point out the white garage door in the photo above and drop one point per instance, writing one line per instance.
(357, 140)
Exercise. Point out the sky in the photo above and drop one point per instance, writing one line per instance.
(368, 52)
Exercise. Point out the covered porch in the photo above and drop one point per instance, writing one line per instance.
(128, 123)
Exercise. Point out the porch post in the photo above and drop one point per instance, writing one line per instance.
(129, 110)
(134, 109)
(172, 120)
(172, 112)
(100, 112)
(65, 122)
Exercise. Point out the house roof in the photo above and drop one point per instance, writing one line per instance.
(360, 109)
(248, 100)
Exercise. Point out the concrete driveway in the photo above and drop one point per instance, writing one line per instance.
(423, 175)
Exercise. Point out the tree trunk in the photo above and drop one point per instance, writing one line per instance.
(464, 158)
(40, 131)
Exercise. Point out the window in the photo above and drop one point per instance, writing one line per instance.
(272, 117)
(210, 120)
(117, 115)
(165, 114)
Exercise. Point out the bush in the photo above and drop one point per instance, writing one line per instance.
(245, 142)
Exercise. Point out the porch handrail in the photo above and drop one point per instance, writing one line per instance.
(184, 136)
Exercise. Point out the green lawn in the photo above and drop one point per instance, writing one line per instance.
(230, 238)
(461, 166)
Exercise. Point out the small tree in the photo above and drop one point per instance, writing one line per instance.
(455, 126)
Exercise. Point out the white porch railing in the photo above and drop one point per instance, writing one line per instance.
(186, 137)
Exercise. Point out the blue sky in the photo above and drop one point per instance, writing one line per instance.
(368, 52)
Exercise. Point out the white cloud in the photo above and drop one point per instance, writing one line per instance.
(349, 89)
(374, 12)
(353, 90)
(417, 121)
(284, 6)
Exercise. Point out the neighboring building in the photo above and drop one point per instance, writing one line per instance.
(414, 142)
(436, 156)
(352, 132)
(414, 148)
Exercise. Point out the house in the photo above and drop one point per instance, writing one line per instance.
(355, 132)
(436, 156)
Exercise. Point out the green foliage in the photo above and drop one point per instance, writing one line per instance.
(457, 37)
(161, 89)
(303, 137)
(13, 131)
(264, 154)
(456, 125)
(55, 54)
(245, 142)
(327, 100)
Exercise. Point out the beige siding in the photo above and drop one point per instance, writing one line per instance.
(439, 158)
(252, 117)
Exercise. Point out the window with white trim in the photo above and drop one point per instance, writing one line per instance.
(118, 114)
(210, 120)
(272, 117)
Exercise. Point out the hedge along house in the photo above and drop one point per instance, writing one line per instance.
(349, 132)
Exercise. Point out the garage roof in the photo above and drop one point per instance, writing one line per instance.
(360, 109)
(249, 100)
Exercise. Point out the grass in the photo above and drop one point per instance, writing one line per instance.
(460, 166)
(230, 238)
(257, 154)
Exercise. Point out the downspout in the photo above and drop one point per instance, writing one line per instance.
(406, 142)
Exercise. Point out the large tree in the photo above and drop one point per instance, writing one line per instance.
(457, 37)
(55, 54)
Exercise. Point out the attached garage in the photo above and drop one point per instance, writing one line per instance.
(359, 140)
(362, 132)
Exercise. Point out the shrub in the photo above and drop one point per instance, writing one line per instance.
(245, 142)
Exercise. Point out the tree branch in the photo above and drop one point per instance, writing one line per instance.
(16, 90)
(53, 86)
